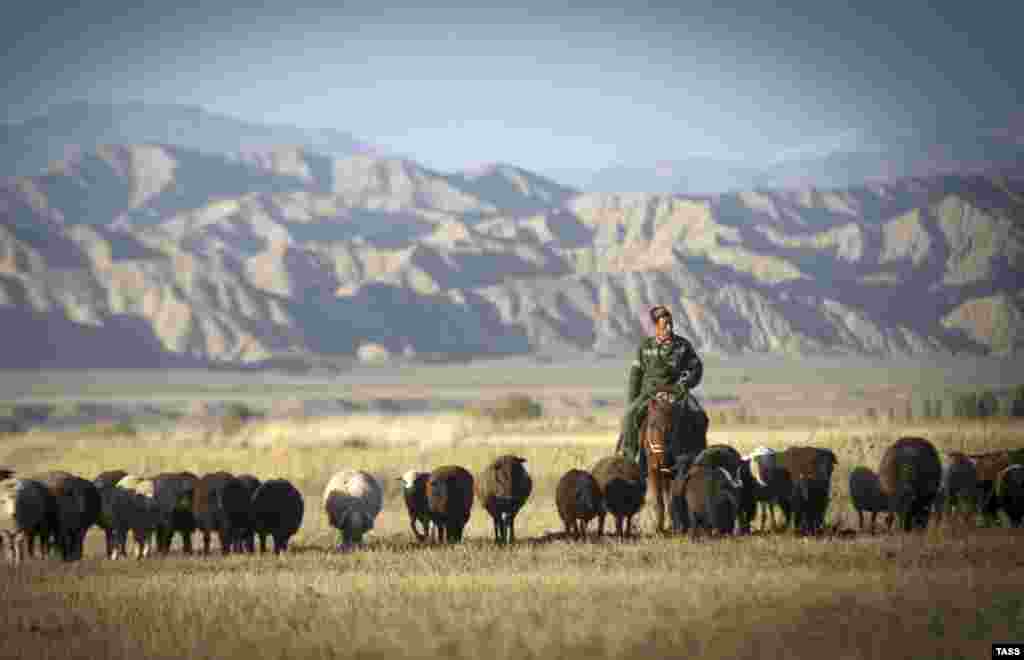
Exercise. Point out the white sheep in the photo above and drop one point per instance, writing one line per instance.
(352, 500)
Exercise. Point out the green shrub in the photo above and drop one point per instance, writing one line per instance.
(966, 405)
(512, 407)
(236, 415)
(988, 404)
(109, 428)
(1017, 402)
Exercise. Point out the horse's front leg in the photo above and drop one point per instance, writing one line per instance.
(654, 494)
(659, 501)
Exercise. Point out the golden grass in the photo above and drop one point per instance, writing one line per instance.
(946, 593)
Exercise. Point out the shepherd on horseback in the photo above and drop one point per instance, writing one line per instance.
(666, 366)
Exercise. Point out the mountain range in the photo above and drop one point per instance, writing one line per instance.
(153, 253)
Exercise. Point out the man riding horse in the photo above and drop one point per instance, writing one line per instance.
(665, 362)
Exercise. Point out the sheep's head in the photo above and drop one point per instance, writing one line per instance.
(354, 524)
(409, 479)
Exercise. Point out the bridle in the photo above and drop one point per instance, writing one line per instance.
(656, 431)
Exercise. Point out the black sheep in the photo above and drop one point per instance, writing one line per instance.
(450, 498)
(414, 492)
(277, 510)
(911, 474)
(76, 508)
(173, 492)
(622, 490)
(712, 500)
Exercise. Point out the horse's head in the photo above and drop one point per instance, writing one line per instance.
(655, 432)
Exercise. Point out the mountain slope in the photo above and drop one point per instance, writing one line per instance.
(155, 254)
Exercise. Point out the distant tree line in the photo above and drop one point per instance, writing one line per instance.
(981, 404)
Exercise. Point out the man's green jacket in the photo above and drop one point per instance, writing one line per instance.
(657, 364)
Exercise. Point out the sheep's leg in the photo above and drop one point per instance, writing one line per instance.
(512, 528)
(600, 524)
(206, 542)
(19, 546)
(124, 543)
(108, 537)
(225, 541)
(140, 541)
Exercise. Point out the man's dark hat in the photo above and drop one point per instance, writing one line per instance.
(658, 311)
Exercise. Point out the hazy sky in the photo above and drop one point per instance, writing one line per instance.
(545, 85)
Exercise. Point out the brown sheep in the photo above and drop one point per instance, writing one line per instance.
(450, 498)
(910, 474)
(1009, 493)
(503, 487)
(578, 498)
(414, 491)
(622, 489)
(810, 470)
(220, 504)
(988, 466)
(959, 486)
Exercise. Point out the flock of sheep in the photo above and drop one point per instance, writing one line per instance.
(716, 490)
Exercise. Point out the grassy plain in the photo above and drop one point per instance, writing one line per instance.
(946, 593)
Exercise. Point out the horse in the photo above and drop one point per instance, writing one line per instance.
(665, 440)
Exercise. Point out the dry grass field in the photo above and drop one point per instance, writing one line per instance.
(946, 593)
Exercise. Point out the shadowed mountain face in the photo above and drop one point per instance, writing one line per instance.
(151, 254)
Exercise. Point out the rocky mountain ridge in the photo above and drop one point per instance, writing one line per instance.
(153, 254)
